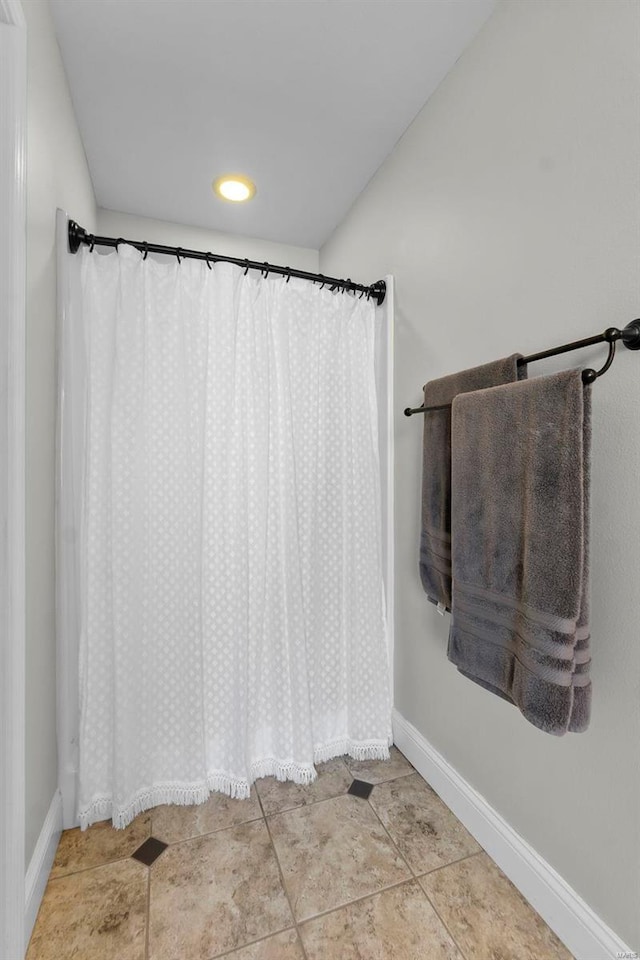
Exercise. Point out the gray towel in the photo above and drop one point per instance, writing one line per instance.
(435, 535)
(520, 477)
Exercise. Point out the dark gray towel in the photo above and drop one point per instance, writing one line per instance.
(435, 535)
(520, 515)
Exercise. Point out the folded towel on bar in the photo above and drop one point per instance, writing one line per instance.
(520, 529)
(435, 534)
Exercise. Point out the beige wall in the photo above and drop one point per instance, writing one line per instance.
(508, 214)
(57, 176)
(112, 224)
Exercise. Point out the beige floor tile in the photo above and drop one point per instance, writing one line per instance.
(173, 823)
(487, 915)
(398, 924)
(376, 771)
(427, 834)
(333, 852)
(284, 946)
(98, 914)
(79, 849)
(332, 781)
(215, 893)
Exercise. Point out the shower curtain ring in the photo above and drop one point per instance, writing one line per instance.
(323, 281)
(266, 266)
(93, 243)
(288, 274)
(146, 250)
(178, 251)
(246, 269)
(207, 258)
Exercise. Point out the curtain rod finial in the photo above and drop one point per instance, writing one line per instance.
(76, 236)
(379, 291)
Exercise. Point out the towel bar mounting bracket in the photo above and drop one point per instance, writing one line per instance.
(631, 335)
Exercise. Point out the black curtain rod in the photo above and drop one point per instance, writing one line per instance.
(78, 236)
(630, 336)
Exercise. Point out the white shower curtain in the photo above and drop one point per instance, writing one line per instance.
(229, 590)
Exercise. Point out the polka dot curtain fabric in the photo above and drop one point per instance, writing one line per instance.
(232, 611)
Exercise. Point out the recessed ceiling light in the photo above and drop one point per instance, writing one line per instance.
(234, 187)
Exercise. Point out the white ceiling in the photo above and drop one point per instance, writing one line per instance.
(307, 97)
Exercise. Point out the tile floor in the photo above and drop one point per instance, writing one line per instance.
(293, 873)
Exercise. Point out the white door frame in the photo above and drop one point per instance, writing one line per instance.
(13, 110)
(386, 422)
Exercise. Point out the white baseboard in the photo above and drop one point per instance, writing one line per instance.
(579, 928)
(41, 862)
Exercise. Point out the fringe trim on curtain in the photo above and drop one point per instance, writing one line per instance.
(187, 794)
(356, 749)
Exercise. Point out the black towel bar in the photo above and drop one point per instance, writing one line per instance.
(630, 336)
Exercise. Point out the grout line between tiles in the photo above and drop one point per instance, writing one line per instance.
(391, 840)
(415, 877)
(174, 843)
(251, 943)
(431, 902)
(349, 903)
(303, 806)
(298, 806)
(401, 776)
(209, 833)
(282, 881)
(443, 866)
(437, 913)
(305, 955)
(301, 943)
(424, 872)
(94, 866)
